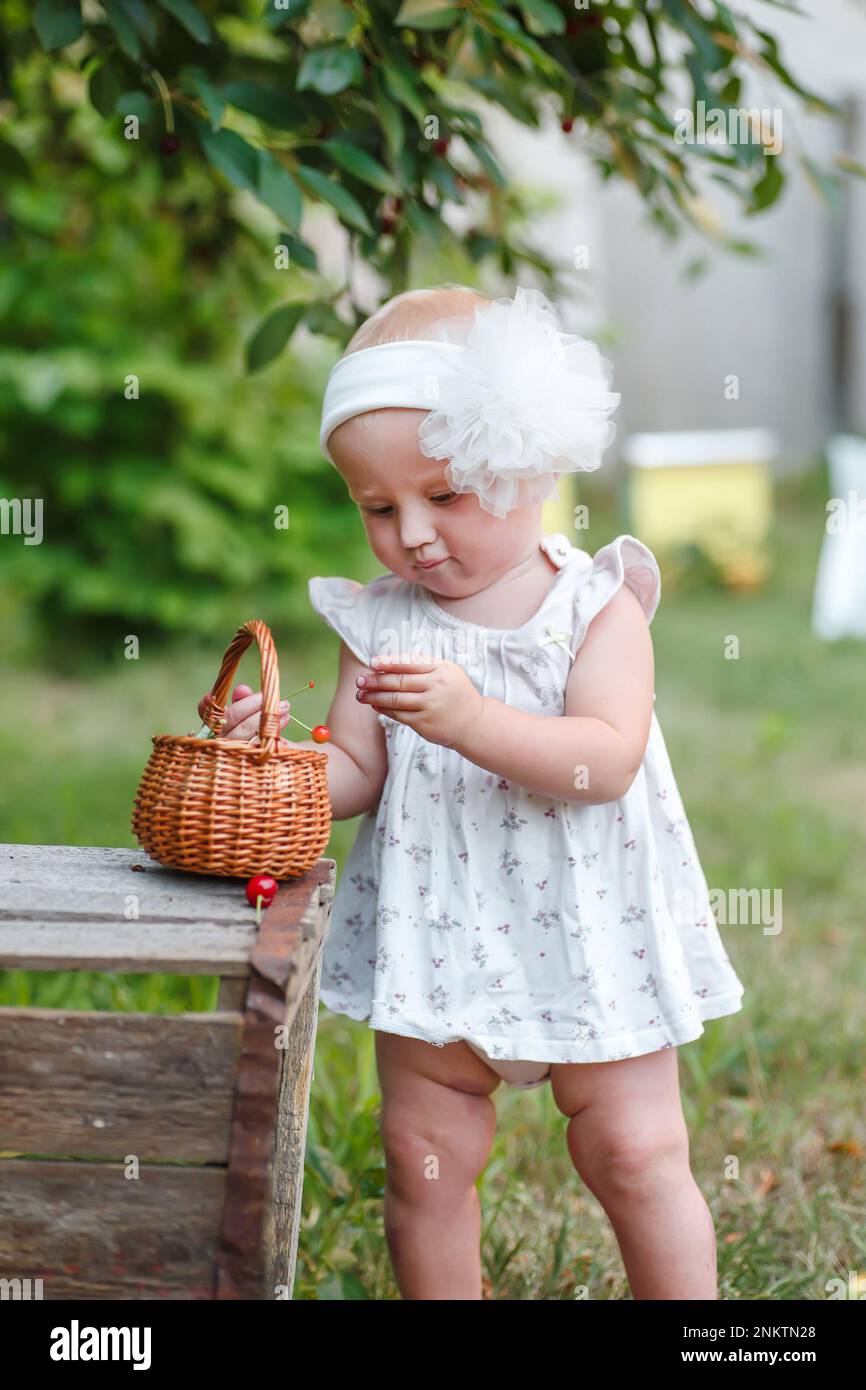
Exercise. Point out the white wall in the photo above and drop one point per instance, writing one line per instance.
(770, 322)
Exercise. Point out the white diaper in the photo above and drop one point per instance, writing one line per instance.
(522, 1074)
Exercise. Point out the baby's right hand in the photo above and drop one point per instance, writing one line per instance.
(242, 715)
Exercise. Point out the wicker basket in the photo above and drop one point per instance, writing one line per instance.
(223, 806)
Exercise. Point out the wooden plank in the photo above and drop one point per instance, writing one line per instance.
(232, 995)
(84, 879)
(88, 1231)
(200, 949)
(65, 908)
(296, 1074)
(102, 1084)
(284, 963)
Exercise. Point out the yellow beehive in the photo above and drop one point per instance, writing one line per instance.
(557, 513)
(712, 489)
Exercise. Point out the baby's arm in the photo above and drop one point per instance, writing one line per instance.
(357, 753)
(605, 727)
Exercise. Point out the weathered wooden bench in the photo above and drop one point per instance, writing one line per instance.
(155, 1155)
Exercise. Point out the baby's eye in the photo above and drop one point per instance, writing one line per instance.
(383, 511)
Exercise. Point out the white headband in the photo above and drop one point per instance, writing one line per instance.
(512, 402)
(390, 374)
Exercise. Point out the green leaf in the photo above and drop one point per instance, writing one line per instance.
(230, 153)
(411, 12)
(57, 23)
(330, 69)
(772, 59)
(341, 199)
(275, 19)
(143, 20)
(363, 166)
(270, 104)
(541, 17)
(299, 252)
(322, 318)
(272, 335)
(768, 188)
(507, 28)
(389, 118)
(189, 17)
(195, 82)
(104, 88)
(486, 160)
(278, 190)
(429, 14)
(123, 27)
(479, 245)
(404, 90)
(134, 103)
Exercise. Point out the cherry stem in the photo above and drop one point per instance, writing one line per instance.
(302, 724)
(165, 97)
(206, 732)
(258, 909)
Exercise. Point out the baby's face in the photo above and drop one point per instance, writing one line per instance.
(411, 515)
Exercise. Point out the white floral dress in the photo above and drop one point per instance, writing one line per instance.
(469, 908)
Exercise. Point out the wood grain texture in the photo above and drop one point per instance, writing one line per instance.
(229, 1089)
(88, 1231)
(296, 1075)
(284, 964)
(106, 1085)
(66, 907)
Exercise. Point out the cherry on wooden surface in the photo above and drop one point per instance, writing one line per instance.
(261, 888)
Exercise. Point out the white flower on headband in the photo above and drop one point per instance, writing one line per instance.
(526, 404)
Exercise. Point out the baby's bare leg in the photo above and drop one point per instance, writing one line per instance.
(437, 1126)
(627, 1139)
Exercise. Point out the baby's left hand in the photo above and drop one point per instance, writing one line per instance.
(435, 698)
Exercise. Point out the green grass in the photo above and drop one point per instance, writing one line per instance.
(769, 751)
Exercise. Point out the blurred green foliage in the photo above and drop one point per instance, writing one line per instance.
(181, 493)
(159, 512)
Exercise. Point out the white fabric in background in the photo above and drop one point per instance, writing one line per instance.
(839, 605)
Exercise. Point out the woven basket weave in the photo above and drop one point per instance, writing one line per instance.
(223, 806)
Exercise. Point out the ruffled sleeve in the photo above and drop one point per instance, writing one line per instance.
(345, 606)
(624, 560)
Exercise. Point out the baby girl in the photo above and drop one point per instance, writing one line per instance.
(523, 901)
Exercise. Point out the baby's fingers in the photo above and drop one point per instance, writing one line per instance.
(249, 725)
(240, 692)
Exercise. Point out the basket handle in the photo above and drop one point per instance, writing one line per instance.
(215, 704)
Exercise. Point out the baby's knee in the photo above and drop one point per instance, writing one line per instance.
(428, 1156)
(632, 1163)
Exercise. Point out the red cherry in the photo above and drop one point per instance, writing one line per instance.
(387, 225)
(440, 146)
(321, 733)
(170, 143)
(568, 125)
(261, 888)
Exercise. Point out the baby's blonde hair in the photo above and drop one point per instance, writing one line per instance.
(411, 315)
